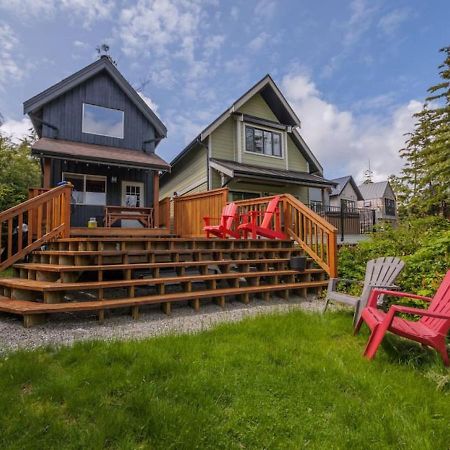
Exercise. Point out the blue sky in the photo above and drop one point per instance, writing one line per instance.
(355, 71)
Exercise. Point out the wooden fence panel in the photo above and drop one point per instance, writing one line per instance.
(189, 211)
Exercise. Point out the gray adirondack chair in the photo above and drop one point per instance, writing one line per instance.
(380, 272)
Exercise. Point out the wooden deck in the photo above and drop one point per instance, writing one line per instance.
(133, 272)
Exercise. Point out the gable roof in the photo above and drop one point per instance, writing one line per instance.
(341, 183)
(373, 190)
(35, 103)
(280, 107)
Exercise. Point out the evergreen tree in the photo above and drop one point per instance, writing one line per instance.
(424, 185)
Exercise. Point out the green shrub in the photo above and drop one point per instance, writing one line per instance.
(424, 245)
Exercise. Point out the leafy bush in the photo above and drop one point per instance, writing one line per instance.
(424, 245)
(18, 171)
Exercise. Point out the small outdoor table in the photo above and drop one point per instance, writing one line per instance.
(114, 213)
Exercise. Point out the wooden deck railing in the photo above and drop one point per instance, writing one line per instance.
(164, 213)
(314, 234)
(189, 211)
(34, 222)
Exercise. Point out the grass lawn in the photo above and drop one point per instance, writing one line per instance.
(282, 381)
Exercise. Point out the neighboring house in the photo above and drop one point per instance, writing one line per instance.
(254, 148)
(97, 132)
(345, 193)
(380, 197)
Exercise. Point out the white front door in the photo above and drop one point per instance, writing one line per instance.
(133, 196)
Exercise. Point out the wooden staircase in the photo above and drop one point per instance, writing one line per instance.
(105, 272)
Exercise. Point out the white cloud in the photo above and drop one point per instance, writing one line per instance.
(16, 129)
(153, 106)
(234, 12)
(259, 41)
(9, 67)
(265, 9)
(390, 22)
(154, 26)
(88, 11)
(343, 141)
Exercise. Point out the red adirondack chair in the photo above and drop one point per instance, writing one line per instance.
(226, 222)
(430, 330)
(251, 226)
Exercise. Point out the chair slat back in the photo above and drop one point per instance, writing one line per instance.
(230, 211)
(270, 211)
(379, 272)
(383, 271)
(440, 305)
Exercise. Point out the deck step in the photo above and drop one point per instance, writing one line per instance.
(52, 286)
(186, 251)
(23, 307)
(133, 266)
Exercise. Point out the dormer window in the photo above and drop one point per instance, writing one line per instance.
(263, 142)
(102, 121)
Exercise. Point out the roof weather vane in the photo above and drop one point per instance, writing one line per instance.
(103, 51)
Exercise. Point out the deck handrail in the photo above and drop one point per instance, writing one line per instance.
(313, 233)
(47, 217)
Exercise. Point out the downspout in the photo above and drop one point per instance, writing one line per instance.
(199, 142)
(47, 124)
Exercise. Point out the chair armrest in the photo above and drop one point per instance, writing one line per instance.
(418, 311)
(377, 292)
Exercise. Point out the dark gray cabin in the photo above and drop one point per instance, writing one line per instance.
(98, 133)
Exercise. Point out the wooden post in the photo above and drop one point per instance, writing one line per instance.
(66, 210)
(155, 199)
(332, 254)
(47, 168)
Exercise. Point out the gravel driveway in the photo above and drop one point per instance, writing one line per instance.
(67, 329)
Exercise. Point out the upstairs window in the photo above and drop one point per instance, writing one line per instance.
(102, 121)
(263, 142)
(389, 207)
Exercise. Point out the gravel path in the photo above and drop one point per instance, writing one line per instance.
(66, 329)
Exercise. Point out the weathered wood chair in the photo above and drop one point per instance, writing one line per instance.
(225, 227)
(431, 329)
(251, 226)
(380, 273)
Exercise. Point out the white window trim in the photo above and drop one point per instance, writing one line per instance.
(100, 134)
(85, 175)
(273, 130)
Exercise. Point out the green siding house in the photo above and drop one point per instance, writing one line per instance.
(254, 148)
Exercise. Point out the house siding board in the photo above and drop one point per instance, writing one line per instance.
(65, 112)
(82, 213)
(224, 140)
(188, 173)
(258, 107)
(264, 161)
(296, 161)
(348, 193)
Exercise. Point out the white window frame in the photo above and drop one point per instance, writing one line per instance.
(263, 128)
(88, 175)
(136, 184)
(100, 134)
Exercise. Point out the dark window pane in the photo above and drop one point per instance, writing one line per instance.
(276, 144)
(249, 139)
(267, 143)
(93, 185)
(258, 141)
